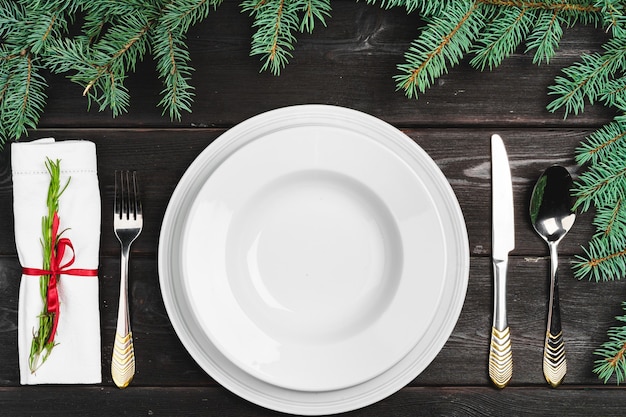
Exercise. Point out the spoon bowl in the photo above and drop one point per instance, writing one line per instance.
(552, 216)
(551, 204)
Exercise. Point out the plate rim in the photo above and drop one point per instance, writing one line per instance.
(344, 399)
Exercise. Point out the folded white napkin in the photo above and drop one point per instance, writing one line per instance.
(76, 358)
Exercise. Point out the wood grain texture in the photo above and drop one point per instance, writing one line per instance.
(217, 402)
(162, 360)
(351, 63)
(467, 168)
(348, 63)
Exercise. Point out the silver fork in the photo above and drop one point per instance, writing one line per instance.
(127, 223)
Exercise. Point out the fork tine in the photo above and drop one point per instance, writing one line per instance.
(127, 204)
(117, 204)
(126, 208)
(137, 203)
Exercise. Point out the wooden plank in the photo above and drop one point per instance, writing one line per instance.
(462, 154)
(75, 401)
(588, 310)
(351, 62)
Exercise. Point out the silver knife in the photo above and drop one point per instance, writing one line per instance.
(502, 242)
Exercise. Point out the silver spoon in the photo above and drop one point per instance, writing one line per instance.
(552, 217)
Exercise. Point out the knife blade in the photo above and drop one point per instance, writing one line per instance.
(502, 242)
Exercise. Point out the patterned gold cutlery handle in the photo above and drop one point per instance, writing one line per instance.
(500, 353)
(500, 357)
(123, 360)
(554, 362)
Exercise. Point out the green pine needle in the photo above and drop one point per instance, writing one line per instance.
(424, 7)
(502, 37)
(614, 12)
(602, 184)
(613, 94)
(22, 94)
(181, 15)
(604, 259)
(546, 35)
(114, 36)
(172, 60)
(587, 79)
(612, 361)
(443, 43)
(277, 22)
(610, 139)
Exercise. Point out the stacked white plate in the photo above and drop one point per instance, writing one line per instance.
(313, 260)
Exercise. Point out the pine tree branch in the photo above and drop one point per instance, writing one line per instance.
(425, 7)
(172, 60)
(608, 226)
(615, 16)
(171, 54)
(613, 94)
(602, 143)
(277, 22)
(444, 41)
(612, 353)
(276, 32)
(116, 35)
(180, 15)
(52, 20)
(101, 68)
(546, 5)
(587, 78)
(602, 184)
(503, 36)
(274, 37)
(313, 10)
(604, 260)
(546, 36)
(22, 94)
(432, 7)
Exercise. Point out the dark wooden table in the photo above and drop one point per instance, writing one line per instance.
(350, 63)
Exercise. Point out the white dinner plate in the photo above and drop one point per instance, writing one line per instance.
(313, 259)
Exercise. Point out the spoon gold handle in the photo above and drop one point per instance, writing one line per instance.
(554, 362)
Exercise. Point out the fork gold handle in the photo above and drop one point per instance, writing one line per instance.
(123, 361)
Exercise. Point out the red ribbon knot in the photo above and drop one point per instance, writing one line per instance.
(58, 245)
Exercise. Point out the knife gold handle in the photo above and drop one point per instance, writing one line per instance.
(500, 353)
(500, 357)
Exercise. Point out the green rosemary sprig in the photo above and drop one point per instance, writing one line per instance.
(42, 346)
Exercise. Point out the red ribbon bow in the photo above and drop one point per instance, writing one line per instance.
(56, 269)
